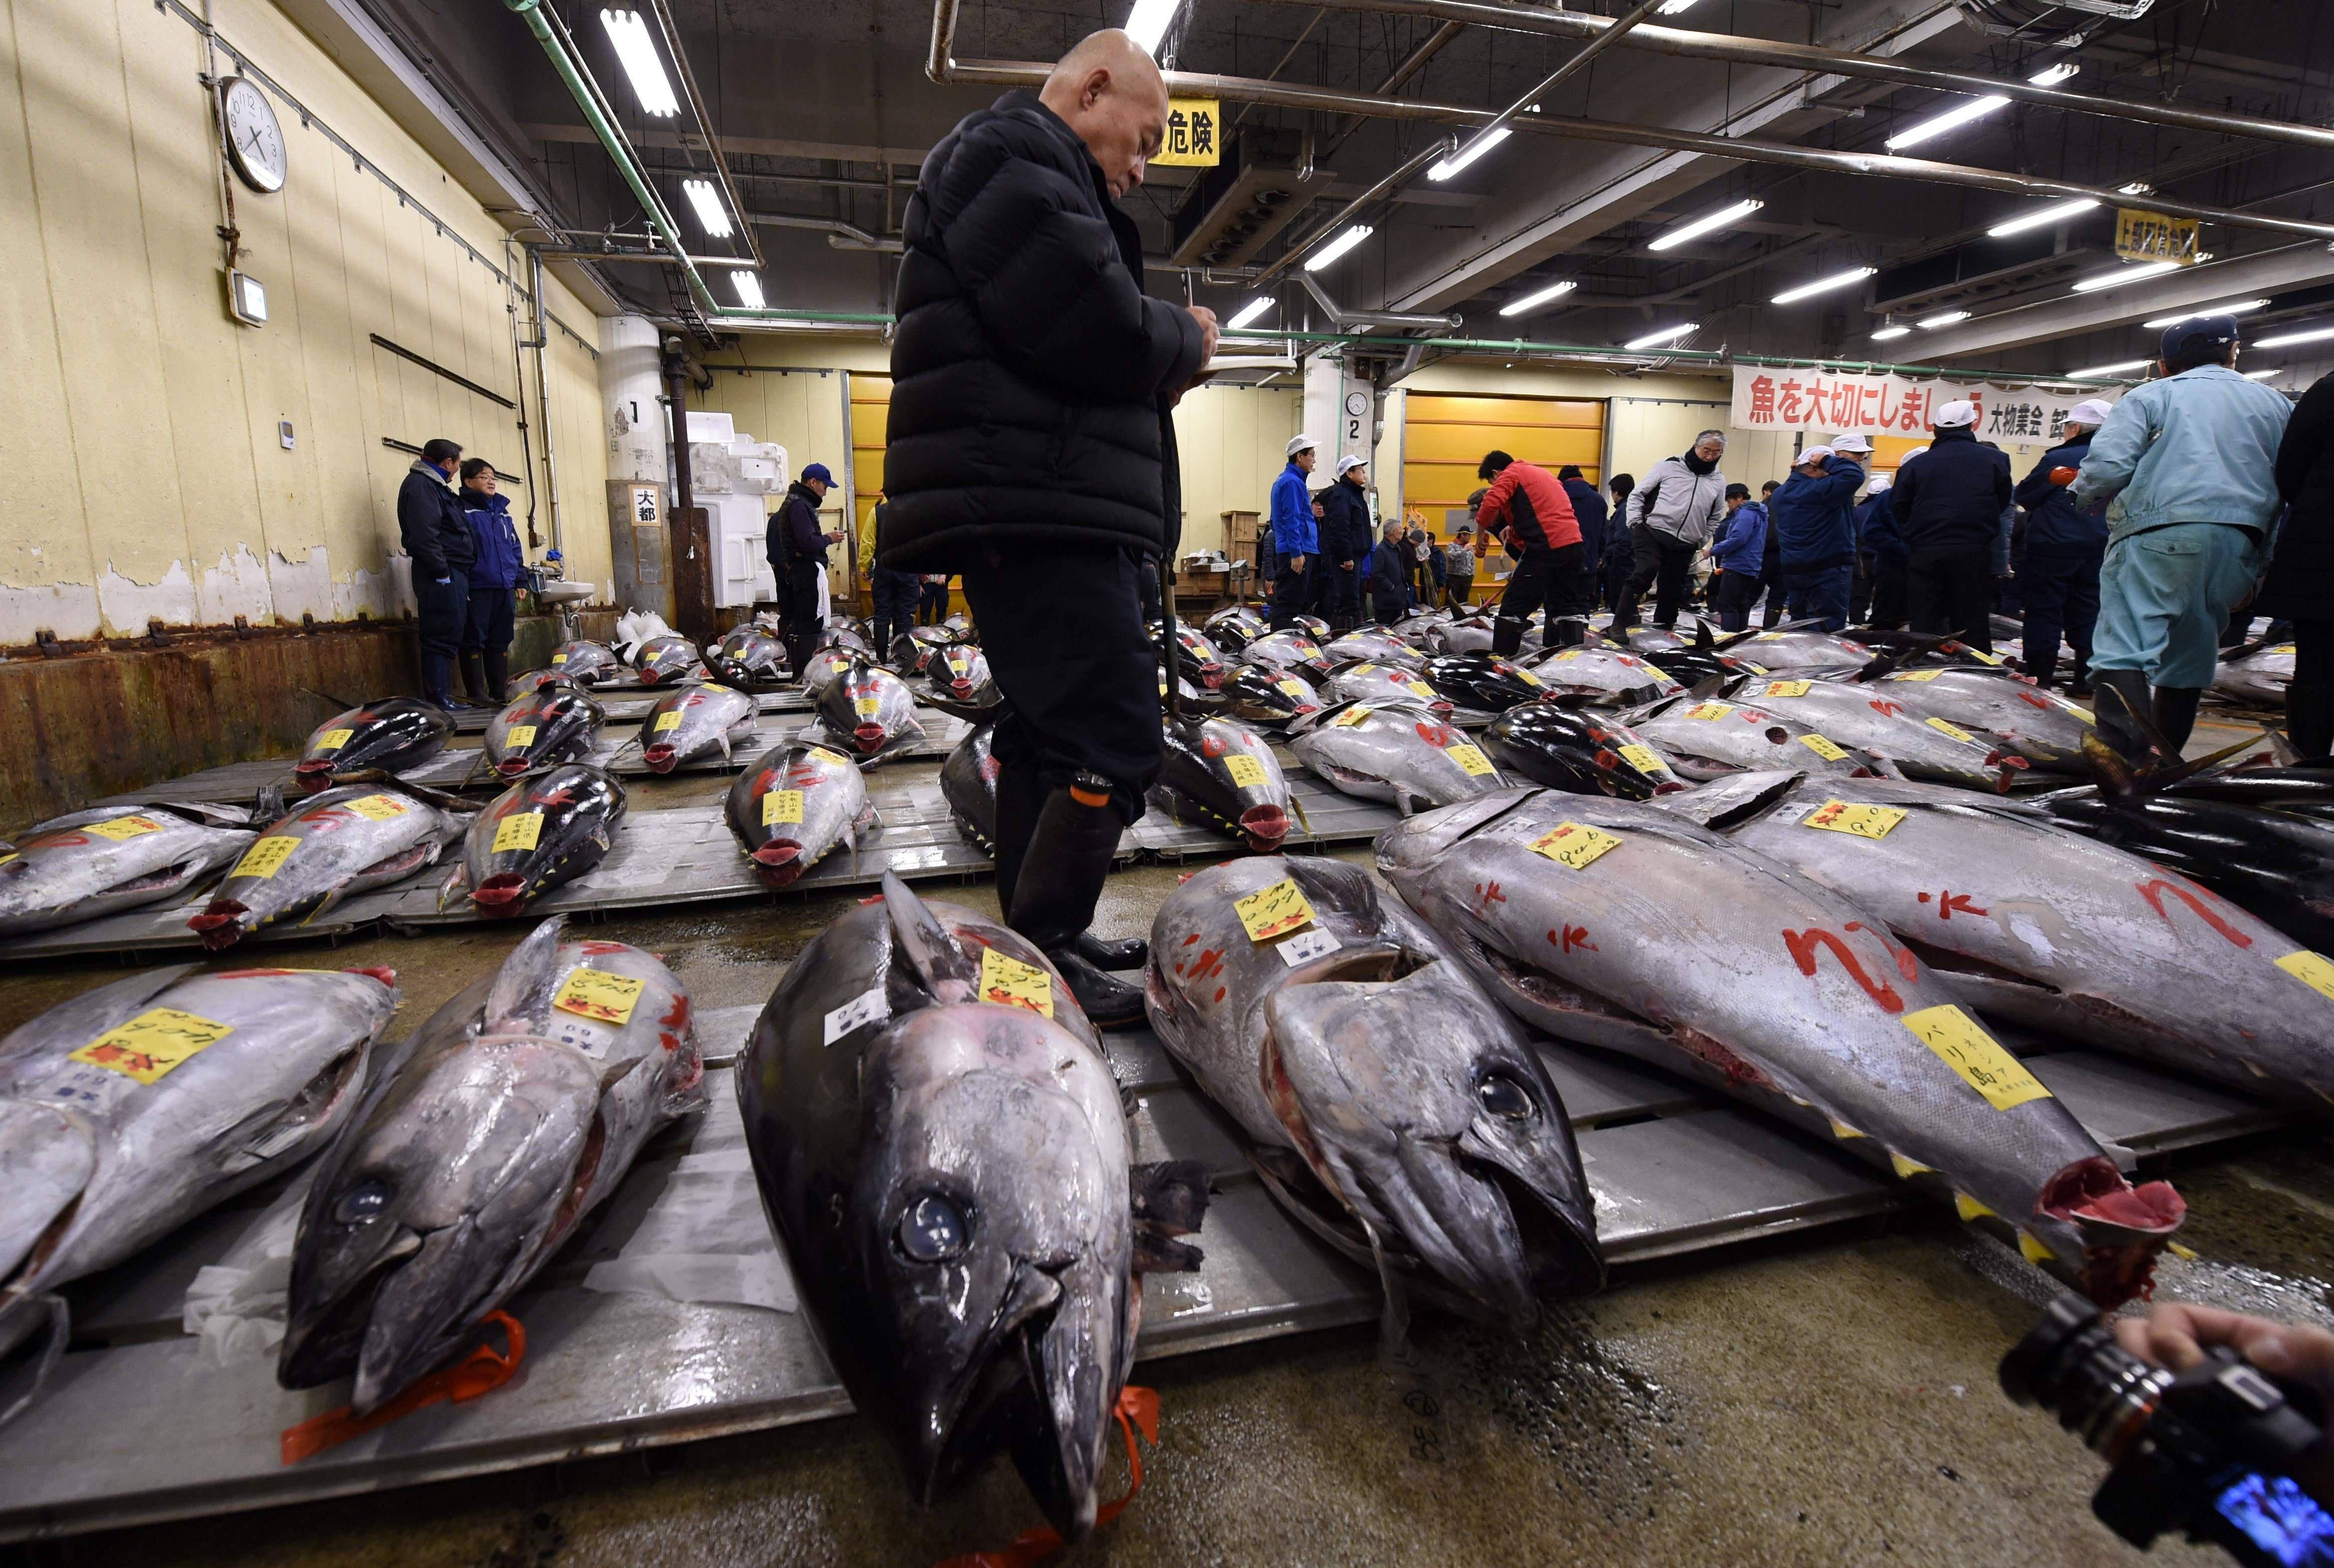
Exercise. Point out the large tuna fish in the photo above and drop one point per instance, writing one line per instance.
(697, 721)
(1584, 753)
(662, 660)
(1801, 649)
(1935, 749)
(134, 1107)
(1403, 755)
(1602, 678)
(1706, 738)
(1626, 927)
(1389, 1105)
(869, 712)
(960, 671)
(2038, 925)
(1371, 645)
(1471, 635)
(793, 804)
(90, 863)
(2257, 676)
(555, 722)
(1291, 652)
(1311, 626)
(822, 668)
(747, 655)
(2040, 728)
(535, 835)
(584, 663)
(1222, 773)
(1482, 681)
(913, 650)
(1255, 693)
(939, 1143)
(1234, 627)
(1382, 685)
(1201, 660)
(969, 784)
(392, 736)
(344, 842)
(850, 636)
(517, 1109)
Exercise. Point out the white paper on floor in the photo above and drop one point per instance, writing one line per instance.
(236, 1305)
(704, 1239)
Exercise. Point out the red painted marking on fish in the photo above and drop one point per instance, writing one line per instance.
(1211, 745)
(1219, 994)
(598, 946)
(1892, 709)
(1572, 936)
(1207, 965)
(1949, 903)
(1802, 946)
(2155, 888)
(1906, 964)
(1435, 735)
(1487, 894)
(2037, 701)
(1194, 935)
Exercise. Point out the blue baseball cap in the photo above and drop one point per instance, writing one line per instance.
(818, 471)
(2220, 330)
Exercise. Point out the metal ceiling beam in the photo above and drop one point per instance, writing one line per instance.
(1579, 61)
(2215, 283)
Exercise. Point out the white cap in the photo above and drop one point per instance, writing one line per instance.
(1954, 415)
(2091, 412)
(1880, 482)
(1301, 444)
(1812, 455)
(1349, 462)
(1851, 442)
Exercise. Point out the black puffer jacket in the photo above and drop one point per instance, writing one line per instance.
(431, 526)
(1030, 373)
(1951, 496)
(2300, 585)
(1346, 529)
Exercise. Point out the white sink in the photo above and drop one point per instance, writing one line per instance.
(557, 592)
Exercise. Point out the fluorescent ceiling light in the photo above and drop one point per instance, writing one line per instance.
(1824, 285)
(1671, 8)
(1533, 301)
(1329, 255)
(2113, 369)
(2241, 308)
(2315, 334)
(1468, 154)
(749, 290)
(1931, 323)
(1147, 23)
(2065, 71)
(711, 217)
(1886, 333)
(2265, 375)
(1704, 224)
(638, 56)
(1251, 312)
(2131, 273)
(1959, 115)
(1667, 334)
(2057, 212)
(2137, 188)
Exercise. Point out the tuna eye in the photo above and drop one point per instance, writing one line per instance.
(1503, 1096)
(361, 1202)
(932, 1230)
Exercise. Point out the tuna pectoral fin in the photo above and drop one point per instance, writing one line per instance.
(939, 964)
(1168, 1199)
(454, 881)
(523, 985)
(21, 1317)
(1729, 801)
(46, 1160)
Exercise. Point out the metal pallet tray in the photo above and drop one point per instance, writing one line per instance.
(138, 1430)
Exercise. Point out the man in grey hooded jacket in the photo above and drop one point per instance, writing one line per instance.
(1674, 512)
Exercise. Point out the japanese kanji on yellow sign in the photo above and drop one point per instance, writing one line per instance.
(781, 806)
(1865, 821)
(1008, 982)
(265, 856)
(122, 829)
(1194, 137)
(1273, 911)
(150, 1045)
(521, 831)
(2142, 236)
(1246, 773)
(1574, 844)
(1976, 1055)
(597, 994)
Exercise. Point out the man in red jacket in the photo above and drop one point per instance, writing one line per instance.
(1534, 519)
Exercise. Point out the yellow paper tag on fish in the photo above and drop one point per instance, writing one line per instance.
(11, 855)
(1753, 668)
(1865, 821)
(781, 806)
(1246, 773)
(668, 719)
(124, 828)
(1824, 748)
(266, 857)
(597, 994)
(1273, 912)
(1350, 718)
(1976, 1055)
(1643, 758)
(820, 752)
(1470, 758)
(2085, 714)
(558, 658)
(518, 833)
(1709, 710)
(519, 735)
(865, 707)
(1289, 687)
(1529, 678)
(1769, 637)
(1954, 730)
(150, 1045)
(1010, 982)
(1362, 670)
(1574, 844)
(2312, 969)
(1916, 675)
(1419, 687)
(1788, 687)
(1567, 655)
(333, 740)
(378, 808)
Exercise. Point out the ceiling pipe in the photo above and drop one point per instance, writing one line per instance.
(672, 32)
(1401, 73)
(1686, 291)
(1688, 44)
(1555, 79)
(839, 233)
(1401, 320)
(1407, 167)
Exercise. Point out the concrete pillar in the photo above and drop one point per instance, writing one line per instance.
(639, 463)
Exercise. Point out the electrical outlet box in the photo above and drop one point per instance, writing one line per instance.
(247, 299)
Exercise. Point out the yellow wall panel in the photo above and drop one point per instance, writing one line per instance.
(1547, 445)
(1427, 407)
(1444, 437)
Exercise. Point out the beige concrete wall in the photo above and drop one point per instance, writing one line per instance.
(139, 423)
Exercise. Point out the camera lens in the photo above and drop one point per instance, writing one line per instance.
(2071, 1366)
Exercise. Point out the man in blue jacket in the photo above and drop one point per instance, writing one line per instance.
(495, 575)
(436, 534)
(2189, 461)
(1879, 579)
(1294, 539)
(1739, 552)
(1813, 514)
(2058, 575)
(1589, 509)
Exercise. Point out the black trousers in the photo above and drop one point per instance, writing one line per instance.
(2309, 697)
(441, 613)
(798, 602)
(2060, 590)
(1553, 578)
(1887, 593)
(932, 603)
(1063, 630)
(488, 621)
(896, 594)
(1292, 593)
(1737, 596)
(1859, 591)
(1953, 591)
(1663, 563)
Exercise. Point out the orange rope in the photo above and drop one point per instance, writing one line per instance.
(482, 1371)
(1135, 1407)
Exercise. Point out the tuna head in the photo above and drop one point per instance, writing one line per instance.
(990, 1226)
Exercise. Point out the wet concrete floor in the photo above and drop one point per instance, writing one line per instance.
(1827, 1399)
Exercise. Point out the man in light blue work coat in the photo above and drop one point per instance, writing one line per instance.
(2190, 462)
(1294, 540)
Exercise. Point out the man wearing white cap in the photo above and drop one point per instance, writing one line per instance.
(1949, 502)
(2059, 576)
(1814, 517)
(1345, 538)
(1294, 539)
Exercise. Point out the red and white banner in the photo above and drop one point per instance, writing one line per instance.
(1771, 399)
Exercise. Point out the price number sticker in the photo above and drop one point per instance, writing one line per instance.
(1916, 675)
(1471, 759)
(121, 829)
(521, 832)
(865, 707)
(266, 856)
(1008, 982)
(1709, 710)
(1419, 687)
(1246, 773)
(1350, 718)
(1976, 1055)
(378, 808)
(1788, 687)
(1529, 678)
(1291, 686)
(1865, 821)
(670, 719)
(1574, 844)
(1363, 669)
(333, 739)
(150, 1045)
(1824, 747)
(782, 806)
(870, 1006)
(558, 658)
(2311, 969)
(519, 735)
(1273, 911)
(1945, 729)
(1307, 946)
(597, 995)
(1643, 758)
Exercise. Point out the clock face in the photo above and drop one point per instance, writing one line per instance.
(255, 141)
(1357, 403)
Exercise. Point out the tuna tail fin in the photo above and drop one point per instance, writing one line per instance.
(2145, 722)
(943, 968)
(1168, 1199)
(340, 704)
(525, 976)
(267, 805)
(1703, 640)
(454, 879)
(2112, 774)
(2157, 779)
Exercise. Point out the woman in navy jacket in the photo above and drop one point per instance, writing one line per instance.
(497, 573)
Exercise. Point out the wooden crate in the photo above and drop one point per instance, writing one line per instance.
(1239, 528)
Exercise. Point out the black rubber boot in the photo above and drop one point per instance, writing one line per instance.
(2042, 671)
(1054, 897)
(474, 675)
(2120, 693)
(2310, 720)
(2176, 713)
(1506, 636)
(1020, 798)
(438, 681)
(498, 676)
